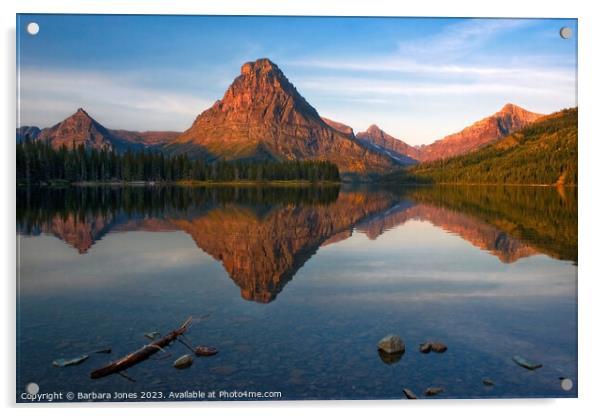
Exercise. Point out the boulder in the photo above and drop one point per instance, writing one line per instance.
(391, 344)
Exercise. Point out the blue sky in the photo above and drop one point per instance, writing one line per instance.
(418, 79)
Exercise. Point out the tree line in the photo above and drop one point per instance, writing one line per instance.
(38, 163)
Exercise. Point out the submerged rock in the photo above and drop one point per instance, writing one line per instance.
(433, 346)
(205, 351)
(438, 347)
(409, 394)
(523, 362)
(389, 358)
(391, 344)
(64, 362)
(433, 391)
(184, 361)
(488, 382)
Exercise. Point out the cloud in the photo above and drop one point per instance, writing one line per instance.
(116, 100)
(459, 39)
(371, 88)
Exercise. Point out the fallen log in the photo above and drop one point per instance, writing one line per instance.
(141, 354)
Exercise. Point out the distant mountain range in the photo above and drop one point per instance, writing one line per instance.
(262, 116)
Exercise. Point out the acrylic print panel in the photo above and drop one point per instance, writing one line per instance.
(289, 208)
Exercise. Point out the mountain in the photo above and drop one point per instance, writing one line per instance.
(262, 116)
(80, 128)
(24, 131)
(545, 152)
(488, 130)
(395, 147)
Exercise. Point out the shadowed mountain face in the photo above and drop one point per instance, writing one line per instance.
(262, 116)
(27, 131)
(398, 148)
(263, 236)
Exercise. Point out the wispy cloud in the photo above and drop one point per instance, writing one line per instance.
(527, 85)
(460, 39)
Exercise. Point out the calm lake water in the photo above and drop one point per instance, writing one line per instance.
(300, 284)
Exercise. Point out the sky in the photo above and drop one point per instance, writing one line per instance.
(418, 79)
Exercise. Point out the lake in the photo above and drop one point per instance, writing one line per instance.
(296, 285)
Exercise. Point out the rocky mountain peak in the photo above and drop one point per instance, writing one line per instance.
(262, 85)
(263, 116)
(374, 130)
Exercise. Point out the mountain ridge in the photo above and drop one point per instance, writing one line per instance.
(542, 153)
(262, 116)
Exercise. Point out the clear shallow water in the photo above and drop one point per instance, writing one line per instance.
(300, 285)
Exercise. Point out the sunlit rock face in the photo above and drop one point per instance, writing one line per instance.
(488, 130)
(262, 116)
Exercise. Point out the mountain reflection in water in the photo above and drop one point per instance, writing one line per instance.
(263, 235)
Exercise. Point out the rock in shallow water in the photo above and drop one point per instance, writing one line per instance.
(438, 347)
(433, 346)
(433, 391)
(523, 362)
(206, 351)
(391, 344)
(409, 394)
(184, 361)
(488, 382)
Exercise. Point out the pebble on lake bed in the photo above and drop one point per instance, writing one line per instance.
(391, 344)
(184, 361)
(205, 351)
(433, 391)
(409, 394)
(488, 382)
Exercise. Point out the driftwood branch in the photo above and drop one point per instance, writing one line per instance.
(141, 354)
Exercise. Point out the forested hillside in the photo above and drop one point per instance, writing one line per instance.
(544, 152)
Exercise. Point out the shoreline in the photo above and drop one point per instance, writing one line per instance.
(278, 183)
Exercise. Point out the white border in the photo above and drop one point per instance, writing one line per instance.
(590, 151)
